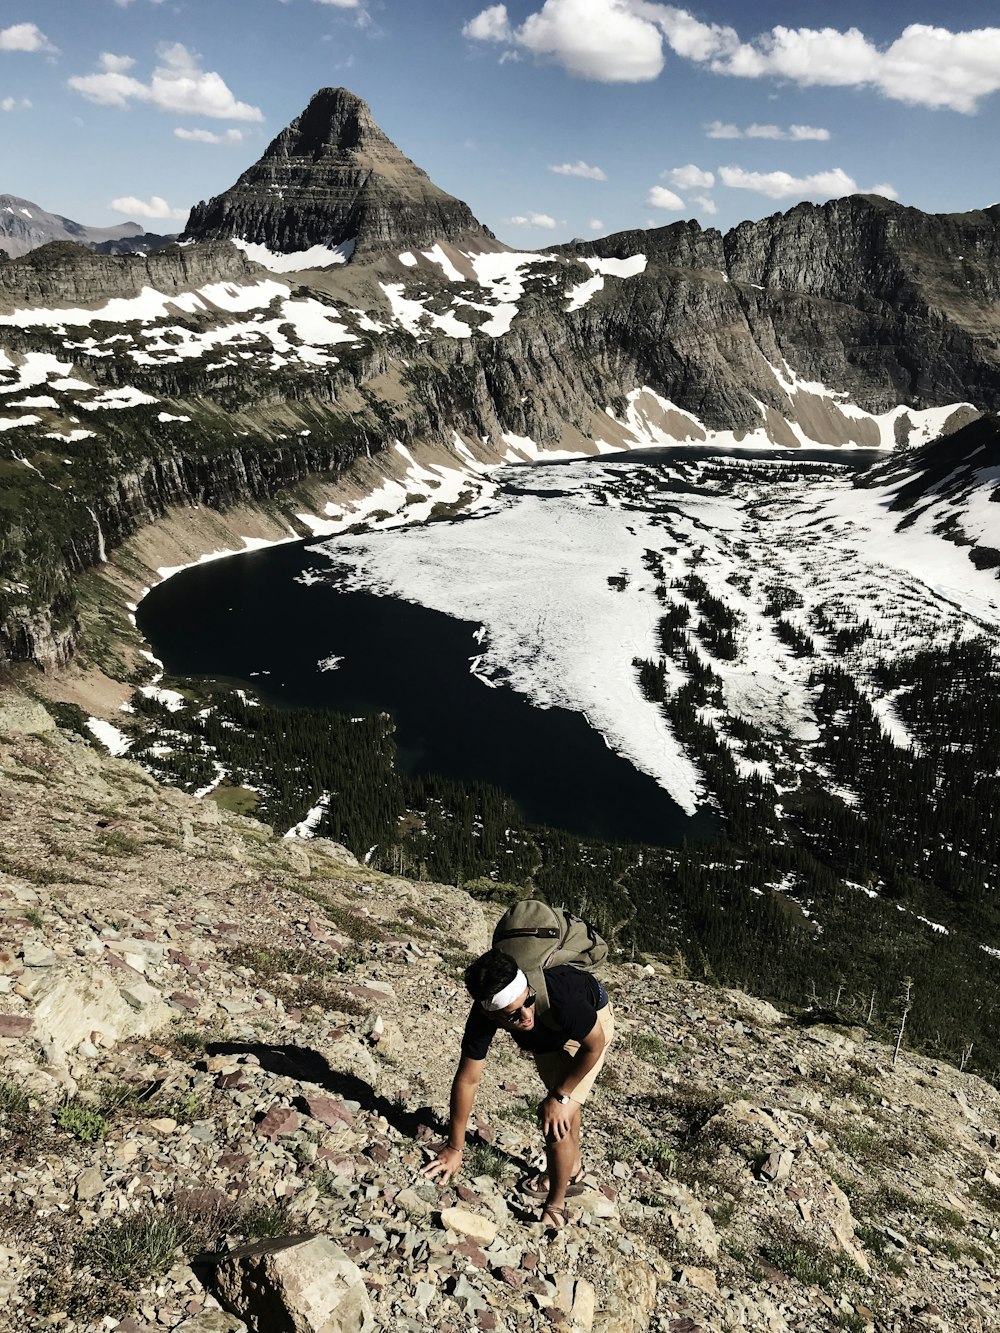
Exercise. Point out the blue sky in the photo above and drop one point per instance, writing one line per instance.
(720, 111)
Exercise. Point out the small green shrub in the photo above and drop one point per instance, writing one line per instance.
(83, 1122)
(627, 1145)
(807, 1262)
(523, 1109)
(185, 1112)
(258, 1221)
(135, 1248)
(482, 1159)
(115, 842)
(803, 1261)
(649, 1047)
(15, 1103)
(193, 1043)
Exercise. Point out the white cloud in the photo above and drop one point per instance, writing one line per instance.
(621, 41)
(690, 178)
(658, 197)
(595, 224)
(115, 64)
(533, 220)
(925, 65)
(207, 136)
(705, 203)
(579, 169)
(492, 25)
(782, 185)
(15, 104)
(24, 37)
(605, 40)
(154, 207)
(717, 130)
(178, 84)
(355, 7)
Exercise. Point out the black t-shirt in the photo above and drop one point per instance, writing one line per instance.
(574, 998)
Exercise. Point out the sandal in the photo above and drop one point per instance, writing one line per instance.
(558, 1218)
(537, 1186)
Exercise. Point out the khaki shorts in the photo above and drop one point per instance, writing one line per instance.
(553, 1065)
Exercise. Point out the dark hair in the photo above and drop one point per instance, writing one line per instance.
(489, 974)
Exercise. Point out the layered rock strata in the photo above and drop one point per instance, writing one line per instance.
(332, 176)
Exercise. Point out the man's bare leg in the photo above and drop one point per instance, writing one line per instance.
(564, 1160)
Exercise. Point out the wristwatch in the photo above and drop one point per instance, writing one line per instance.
(563, 1098)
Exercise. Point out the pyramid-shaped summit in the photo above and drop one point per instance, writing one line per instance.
(331, 177)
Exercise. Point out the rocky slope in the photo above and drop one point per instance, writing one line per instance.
(332, 176)
(214, 1041)
(24, 227)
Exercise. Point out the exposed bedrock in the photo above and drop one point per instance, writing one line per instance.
(63, 273)
(333, 176)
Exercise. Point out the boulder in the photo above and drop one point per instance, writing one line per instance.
(70, 1007)
(634, 1284)
(333, 851)
(696, 1233)
(23, 716)
(482, 1229)
(294, 1284)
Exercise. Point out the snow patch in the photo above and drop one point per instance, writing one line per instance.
(317, 256)
(109, 736)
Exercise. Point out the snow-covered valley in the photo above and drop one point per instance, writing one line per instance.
(555, 565)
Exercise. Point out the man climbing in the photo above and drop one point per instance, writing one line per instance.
(568, 1040)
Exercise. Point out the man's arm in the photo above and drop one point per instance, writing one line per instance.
(554, 1116)
(464, 1087)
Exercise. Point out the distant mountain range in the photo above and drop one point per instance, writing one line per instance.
(334, 302)
(25, 226)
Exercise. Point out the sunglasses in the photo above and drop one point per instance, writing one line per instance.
(509, 1020)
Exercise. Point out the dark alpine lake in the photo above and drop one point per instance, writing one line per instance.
(246, 619)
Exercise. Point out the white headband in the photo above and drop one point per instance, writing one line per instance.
(509, 993)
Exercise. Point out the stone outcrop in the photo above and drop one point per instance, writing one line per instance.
(64, 273)
(295, 1284)
(330, 177)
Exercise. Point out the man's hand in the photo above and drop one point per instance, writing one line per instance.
(555, 1118)
(445, 1165)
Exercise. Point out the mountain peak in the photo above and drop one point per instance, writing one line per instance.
(335, 119)
(330, 177)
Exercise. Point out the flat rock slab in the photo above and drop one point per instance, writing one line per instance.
(212, 1321)
(482, 1229)
(279, 1120)
(294, 1284)
(15, 1025)
(328, 1111)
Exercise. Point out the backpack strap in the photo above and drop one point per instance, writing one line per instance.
(536, 932)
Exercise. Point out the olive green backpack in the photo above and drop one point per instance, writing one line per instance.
(538, 936)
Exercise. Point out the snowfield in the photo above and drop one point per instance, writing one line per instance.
(532, 565)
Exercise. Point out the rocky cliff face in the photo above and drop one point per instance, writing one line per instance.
(332, 176)
(218, 1091)
(63, 273)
